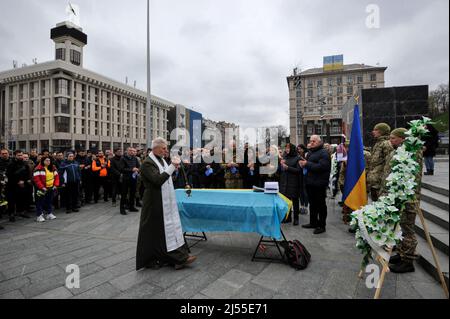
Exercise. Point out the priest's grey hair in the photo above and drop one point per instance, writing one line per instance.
(159, 141)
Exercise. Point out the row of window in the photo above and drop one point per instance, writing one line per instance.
(75, 56)
(63, 87)
(62, 125)
(350, 79)
(330, 91)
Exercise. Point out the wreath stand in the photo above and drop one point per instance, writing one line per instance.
(385, 264)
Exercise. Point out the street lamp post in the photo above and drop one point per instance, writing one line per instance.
(148, 112)
(322, 104)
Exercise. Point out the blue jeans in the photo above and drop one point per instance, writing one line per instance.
(44, 203)
(429, 163)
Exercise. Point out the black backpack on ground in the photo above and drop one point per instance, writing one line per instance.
(296, 254)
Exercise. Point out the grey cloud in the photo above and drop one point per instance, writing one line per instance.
(229, 59)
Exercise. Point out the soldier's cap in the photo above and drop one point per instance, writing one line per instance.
(383, 128)
(399, 132)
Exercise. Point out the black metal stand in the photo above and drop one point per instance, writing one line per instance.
(196, 238)
(273, 243)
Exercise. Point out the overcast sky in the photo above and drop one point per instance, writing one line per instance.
(229, 59)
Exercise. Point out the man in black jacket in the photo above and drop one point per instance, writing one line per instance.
(129, 165)
(18, 174)
(4, 162)
(86, 177)
(115, 172)
(316, 168)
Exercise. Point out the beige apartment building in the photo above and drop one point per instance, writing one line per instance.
(316, 99)
(59, 105)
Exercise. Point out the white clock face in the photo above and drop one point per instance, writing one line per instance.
(73, 12)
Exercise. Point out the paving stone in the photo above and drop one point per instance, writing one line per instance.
(131, 279)
(13, 284)
(428, 291)
(15, 294)
(118, 248)
(103, 276)
(115, 259)
(44, 285)
(104, 291)
(35, 266)
(45, 273)
(227, 285)
(274, 276)
(190, 286)
(141, 291)
(58, 293)
(340, 284)
(103, 244)
(253, 291)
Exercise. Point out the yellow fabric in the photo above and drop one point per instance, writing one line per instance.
(358, 197)
(49, 178)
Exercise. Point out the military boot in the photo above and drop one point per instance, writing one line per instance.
(403, 266)
(395, 259)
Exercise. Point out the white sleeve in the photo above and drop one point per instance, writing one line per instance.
(170, 170)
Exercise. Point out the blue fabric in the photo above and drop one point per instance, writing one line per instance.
(231, 210)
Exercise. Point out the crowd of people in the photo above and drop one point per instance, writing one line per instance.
(39, 183)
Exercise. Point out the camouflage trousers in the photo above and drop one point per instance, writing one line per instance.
(234, 183)
(346, 212)
(407, 248)
(374, 194)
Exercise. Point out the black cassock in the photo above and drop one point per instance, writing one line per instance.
(151, 245)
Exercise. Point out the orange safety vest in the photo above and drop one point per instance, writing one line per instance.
(96, 168)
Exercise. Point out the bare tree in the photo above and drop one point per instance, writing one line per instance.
(439, 100)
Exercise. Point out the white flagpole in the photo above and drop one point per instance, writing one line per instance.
(149, 87)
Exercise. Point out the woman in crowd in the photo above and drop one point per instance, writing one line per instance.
(46, 180)
(290, 179)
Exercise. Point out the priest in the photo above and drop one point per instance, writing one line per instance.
(160, 241)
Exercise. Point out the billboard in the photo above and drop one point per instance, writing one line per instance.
(333, 63)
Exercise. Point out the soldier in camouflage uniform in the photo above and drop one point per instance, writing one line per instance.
(403, 261)
(380, 151)
(233, 170)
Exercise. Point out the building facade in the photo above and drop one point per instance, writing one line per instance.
(217, 131)
(59, 105)
(317, 96)
(183, 121)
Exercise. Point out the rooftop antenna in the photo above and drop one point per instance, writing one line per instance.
(126, 80)
(134, 84)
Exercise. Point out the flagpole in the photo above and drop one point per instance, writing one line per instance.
(149, 86)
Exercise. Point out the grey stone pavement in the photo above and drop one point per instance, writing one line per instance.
(33, 260)
(440, 178)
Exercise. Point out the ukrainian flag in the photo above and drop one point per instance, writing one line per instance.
(355, 194)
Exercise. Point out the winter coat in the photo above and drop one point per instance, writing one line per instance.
(39, 177)
(318, 167)
(70, 172)
(290, 178)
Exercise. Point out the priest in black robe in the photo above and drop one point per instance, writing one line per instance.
(160, 240)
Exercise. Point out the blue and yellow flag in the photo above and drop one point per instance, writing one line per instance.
(355, 194)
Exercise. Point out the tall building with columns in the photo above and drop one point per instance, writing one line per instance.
(59, 105)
